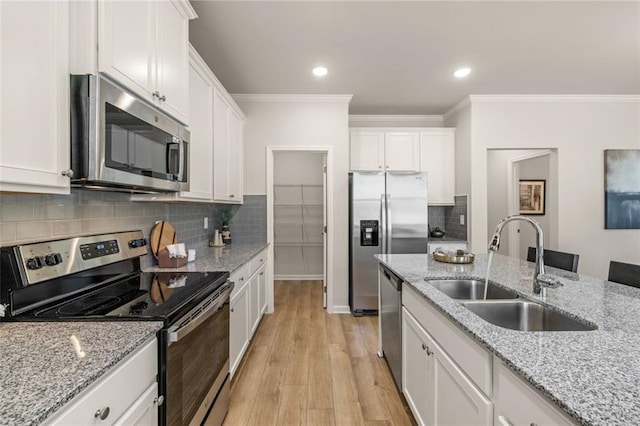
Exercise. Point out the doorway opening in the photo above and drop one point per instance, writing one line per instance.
(505, 169)
(298, 228)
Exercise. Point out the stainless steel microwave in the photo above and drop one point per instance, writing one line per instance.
(121, 143)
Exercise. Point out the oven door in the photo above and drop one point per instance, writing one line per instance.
(197, 360)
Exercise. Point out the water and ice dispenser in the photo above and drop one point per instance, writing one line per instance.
(369, 232)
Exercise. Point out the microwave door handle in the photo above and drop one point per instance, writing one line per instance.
(173, 164)
(176, 335)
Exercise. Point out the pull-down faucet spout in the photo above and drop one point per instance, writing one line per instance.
(541, 281)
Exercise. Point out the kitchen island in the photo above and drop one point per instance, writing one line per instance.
(592, 376)
(44, 365)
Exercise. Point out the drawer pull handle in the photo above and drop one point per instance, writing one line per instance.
(429, 351)
(102, 414)
(424, 347)
(158, 400)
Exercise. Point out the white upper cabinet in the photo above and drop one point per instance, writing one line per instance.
(384, 150)
(34, 100)
(437, 159)
(228, 128)
(402, 151)
(367, 150)
(144, 45)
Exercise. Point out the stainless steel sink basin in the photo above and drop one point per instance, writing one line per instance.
(471, 289)
(524, 315)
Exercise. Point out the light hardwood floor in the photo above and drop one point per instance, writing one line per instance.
(306, 367)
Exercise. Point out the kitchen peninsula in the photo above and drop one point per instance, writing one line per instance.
(589, 377)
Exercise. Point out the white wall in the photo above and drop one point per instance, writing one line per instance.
(535, 169)
(581, 129)
(299, 168)
(310, 123)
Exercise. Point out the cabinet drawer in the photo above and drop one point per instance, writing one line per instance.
(118, 390)
(474, 360)
(517, 403)
(258, 261)
(240, 277)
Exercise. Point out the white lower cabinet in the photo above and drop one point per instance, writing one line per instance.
(438, 392)
(248, 304)
(516, 403)
(128, 394)
(238, 326)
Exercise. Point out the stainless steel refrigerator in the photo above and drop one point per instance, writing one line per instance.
(387, 214)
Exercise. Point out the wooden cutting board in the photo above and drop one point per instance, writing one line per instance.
(162, 234)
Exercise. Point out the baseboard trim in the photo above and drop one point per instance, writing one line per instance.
(298, 277)
(340, 309)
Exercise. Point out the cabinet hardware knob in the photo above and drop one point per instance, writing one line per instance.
(163, 98)
(533, 424)
(158, 400)
(424, 347)
(231, 195)
(68, 173)
(102, 413)
(379, 167)
(232, 309)
(156, 94)
(241, 278)
(429, 351)
(261, 273)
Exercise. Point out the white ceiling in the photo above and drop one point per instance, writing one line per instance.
(397, 57)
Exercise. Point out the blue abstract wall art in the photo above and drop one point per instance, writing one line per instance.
(622, 188)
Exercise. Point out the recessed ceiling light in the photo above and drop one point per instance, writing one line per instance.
(462, 72)
(320, 71)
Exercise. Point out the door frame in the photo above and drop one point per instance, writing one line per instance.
(328, 273)
(513, 192)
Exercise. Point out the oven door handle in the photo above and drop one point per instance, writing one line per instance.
(175, 335)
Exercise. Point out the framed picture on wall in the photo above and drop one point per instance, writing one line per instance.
(622, 188)
(532, 197)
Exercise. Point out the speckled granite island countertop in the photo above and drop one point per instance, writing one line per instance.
(43, 365)
(592, 375)
(209, 259)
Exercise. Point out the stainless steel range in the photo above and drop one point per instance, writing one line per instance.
(98, 278)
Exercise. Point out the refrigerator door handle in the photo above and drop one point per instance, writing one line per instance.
(388, 227)
(383, 223)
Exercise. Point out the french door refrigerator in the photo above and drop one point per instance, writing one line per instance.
(387, 214)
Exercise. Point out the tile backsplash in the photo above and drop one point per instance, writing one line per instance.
(448, 218)
(27, 218)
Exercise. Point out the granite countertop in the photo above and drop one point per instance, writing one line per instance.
(43, 365)
(209, 259)
(594, 376)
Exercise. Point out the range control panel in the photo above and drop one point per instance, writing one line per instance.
(102, 248)
(52, 259)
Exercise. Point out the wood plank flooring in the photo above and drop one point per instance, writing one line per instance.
(306, 367)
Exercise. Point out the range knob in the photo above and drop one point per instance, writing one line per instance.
(53, 259)
(35, 262)
(141, 242)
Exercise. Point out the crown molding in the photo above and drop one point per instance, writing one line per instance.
(185, 9)
(554, 98)
(247, 97)
(365, 118)
(466, 102)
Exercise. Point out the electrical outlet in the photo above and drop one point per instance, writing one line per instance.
(461, 219)
(206, 223)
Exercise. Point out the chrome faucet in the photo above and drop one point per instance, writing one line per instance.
(541, 281)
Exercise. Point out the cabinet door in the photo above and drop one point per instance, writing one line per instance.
(438, 160)
(238, 327)
(173, 60)
(34, 114)
(254, 304)
(262, 290)
(417, 370)
(201, 129)
(221, 166)
(235, 156)
(457, 400)
(144, 411)
(402, 151)
(367, 150)
(126, 40)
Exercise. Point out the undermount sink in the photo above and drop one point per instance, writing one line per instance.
(469, 289)
(524, 315)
